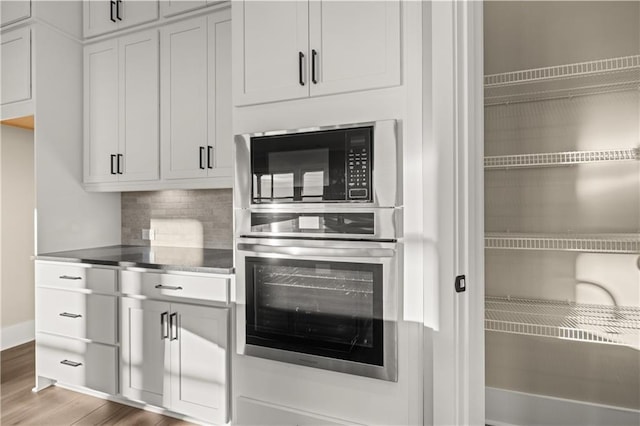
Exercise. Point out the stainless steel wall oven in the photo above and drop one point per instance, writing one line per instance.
(318, 256)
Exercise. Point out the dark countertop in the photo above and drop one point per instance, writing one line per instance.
(216, 261)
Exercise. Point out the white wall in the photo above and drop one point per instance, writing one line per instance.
(531, 34)
(68, 216)
(16, 234)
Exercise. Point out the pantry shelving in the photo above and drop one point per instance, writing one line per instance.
(616, 325)
(594, 243)
(562, 81)
(550, 159)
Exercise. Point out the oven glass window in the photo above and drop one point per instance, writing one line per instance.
(331, 309)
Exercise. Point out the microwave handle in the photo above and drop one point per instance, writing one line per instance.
(317, 251)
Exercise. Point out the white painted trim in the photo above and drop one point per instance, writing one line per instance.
(17, 334)
(456, 137)
(505, 408)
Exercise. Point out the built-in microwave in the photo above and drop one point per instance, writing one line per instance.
(354, 163)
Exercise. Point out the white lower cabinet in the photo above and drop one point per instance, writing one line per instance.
(76, 362)
(174, 355)
(76, 325)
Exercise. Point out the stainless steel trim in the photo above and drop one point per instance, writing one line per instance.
(168, 287)
(316, 251)
(391, 289)
(387, 221)
(387, 165)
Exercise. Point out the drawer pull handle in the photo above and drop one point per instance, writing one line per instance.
(169, 287)
(68, 315)
(71, 363)
(69, 277)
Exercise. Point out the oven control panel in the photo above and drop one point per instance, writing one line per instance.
(358, 176)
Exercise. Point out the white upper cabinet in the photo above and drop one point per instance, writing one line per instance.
(174, 7)
(101, 111)
(122, 109)
(297, 49)
(353, 45)
(16, 65)
(274, 51)
(139, 107)
(196, 98)
(13, 11)
(103, 16)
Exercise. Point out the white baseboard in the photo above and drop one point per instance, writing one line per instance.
(510, 408)
(17, 334)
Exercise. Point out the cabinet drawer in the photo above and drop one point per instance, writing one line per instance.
(77, 363)
(88, 316)
(162, 285)
(71, 276)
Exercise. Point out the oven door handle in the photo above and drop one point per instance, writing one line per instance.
(318, 251)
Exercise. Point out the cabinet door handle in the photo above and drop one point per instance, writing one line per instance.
(300, 74)
(68, 315)
(209, 157)
(120, 161)
(118, 3)
(113, 157)
(70, 363)
(314, 55)
(202, 158)
(113, 3)
(69, 277)
(173, 324)
(168, 287)
(164, 325)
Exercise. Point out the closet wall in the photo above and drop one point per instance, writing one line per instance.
(562, 196)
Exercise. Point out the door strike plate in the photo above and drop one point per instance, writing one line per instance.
(461, 283)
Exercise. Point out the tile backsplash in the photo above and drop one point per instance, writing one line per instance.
(185, 218)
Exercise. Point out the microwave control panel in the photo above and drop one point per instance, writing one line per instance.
(358, 176)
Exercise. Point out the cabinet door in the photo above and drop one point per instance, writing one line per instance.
(357, 45)
(184, 94)
(16, 65)
(139, 106)
(99, 17)
(135, 12)
(144, 333)
(199, 362)
(274, 35)
(174, 7)
(14, 11)
(101, 111)
(219, 160)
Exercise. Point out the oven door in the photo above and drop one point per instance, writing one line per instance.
(335, 307)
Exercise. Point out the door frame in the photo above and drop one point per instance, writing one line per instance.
(454, 383)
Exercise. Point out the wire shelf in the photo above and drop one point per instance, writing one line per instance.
(562, 81)
(560, 158)
(605, 243)
(563, 71)
(615, 325)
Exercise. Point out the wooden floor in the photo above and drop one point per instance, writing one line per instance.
(57, 406)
